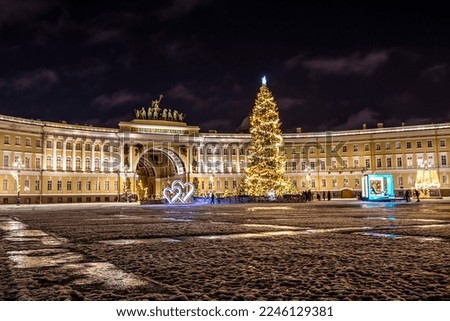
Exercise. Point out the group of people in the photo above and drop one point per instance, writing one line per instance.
(307, 196)
(407, 195)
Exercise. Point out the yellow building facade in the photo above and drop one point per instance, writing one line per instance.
(50, 162)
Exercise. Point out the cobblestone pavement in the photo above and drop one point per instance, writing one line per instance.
(329, 250)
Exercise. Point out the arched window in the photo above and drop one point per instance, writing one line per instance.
(106, 164)
(97, 164)
(49, 162)
(88, 163)
(68, 163)
(58, 162)
(78, 163)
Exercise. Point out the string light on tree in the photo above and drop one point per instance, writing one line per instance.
(265, 171)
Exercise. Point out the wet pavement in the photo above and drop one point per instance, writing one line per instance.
(337, 250)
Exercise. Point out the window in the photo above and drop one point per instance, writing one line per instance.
(116, 185)
(226, 184)
(97, 148)
(399, 162)
(398, 145)
(234, 184)
(400, 181)
(377, 146)
(107, 185)
(97, 185)
(58, 145)
(408, 144)
(59, 185)
(49, 144)
(389, 162)
(88, 185)
(6, 140)
(58, 162)
(27, 162)
(387, 146)
(49, 185)
(87, 146)
(28, 142)
(106, 148)
(429, 143)
(78, 146)
(69, 145)
(378, 162)
(344, 148)
(355, 148)
(356, 163)
(345, 182)
(303, 165)
(49, 162)
(79, 185)
(6, 161)
(322, 165)
(294, 166)
(334, 182)
(409, 161)
(106, 164)
(442, 143)
(5, 184)
(293, 150)
(78, 163)
(68, 163)
(444, 160)
(17, 141)
(88, 164)
(324, 182)
(38, 143)
(344, 163)
(312, 164)
(444, 179)
(367, 162)
(69, 185)
(366, 147)
(37, 185)
(38, 163)
(97, 164)
(357, 182)
(419, 144)
(313, 183)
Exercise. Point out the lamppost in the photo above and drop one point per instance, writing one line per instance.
(18, 165)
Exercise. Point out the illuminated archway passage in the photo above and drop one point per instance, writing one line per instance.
(155, 170)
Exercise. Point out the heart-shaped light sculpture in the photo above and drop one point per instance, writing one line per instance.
(179, 192)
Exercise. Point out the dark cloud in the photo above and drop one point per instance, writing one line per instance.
(356, 63)
(436, 73)
(34, 80)
(118, 98)
(179, 8)
(13, 11)
(356, 120)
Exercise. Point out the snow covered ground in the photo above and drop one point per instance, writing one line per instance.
(336, 250)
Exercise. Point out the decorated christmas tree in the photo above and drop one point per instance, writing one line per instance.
(264, 174)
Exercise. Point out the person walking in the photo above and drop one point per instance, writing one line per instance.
(417, 195)
(329, 195)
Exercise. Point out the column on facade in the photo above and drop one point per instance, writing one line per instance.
(92, 156)
(83, 156)
(111, 163)
(54, 154)
(44, 156)
(199, 160)
(64, 154)
(102, 156)
(229, 159)
(130, 158)
(238, 163)
(190, 158)
(205, 159)
(74, 155)
(222, 161)
(121, 155)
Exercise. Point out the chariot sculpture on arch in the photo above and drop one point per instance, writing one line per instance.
(154, 112)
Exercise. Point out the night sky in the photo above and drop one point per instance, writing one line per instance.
(329, 66)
